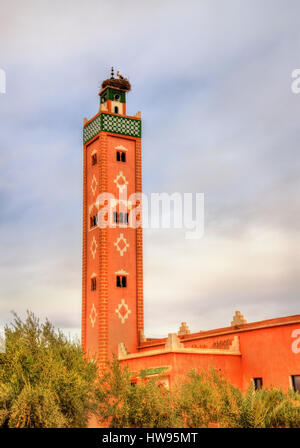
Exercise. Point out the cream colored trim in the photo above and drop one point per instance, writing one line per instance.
(116, 181)
(121, 147)
(119, 105)
(93, 275)
(103, 107)
(126, 244)
(94, 185)
(93, 315)
(200, 351)
(115, 202)
(93, 247)
(121, 272)
(123, 316)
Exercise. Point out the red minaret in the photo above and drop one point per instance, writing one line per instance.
(112, 259)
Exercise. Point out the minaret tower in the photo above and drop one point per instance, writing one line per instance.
(112, 260)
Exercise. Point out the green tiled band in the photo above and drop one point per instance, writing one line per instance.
(112, 123)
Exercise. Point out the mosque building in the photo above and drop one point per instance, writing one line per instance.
(265, 352)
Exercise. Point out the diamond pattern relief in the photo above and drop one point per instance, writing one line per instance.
(94, 185)
(123, 311)
(93, 247)
(121, 181)
(121, 244)
(93, 315)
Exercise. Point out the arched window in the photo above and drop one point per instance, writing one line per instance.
(116, 110)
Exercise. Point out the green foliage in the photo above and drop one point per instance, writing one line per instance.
(207, 399)
(203, 399)
(269, 408)
(44, 379)
(46, 382)
(123, 405)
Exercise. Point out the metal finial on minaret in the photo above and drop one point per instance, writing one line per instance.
(112, 73)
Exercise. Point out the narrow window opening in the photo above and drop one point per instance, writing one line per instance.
(116, 110)
(121, 281)
(258, 383)
(93, 284)
(94, 220)
(94, 159)
(121, 218)
(296, 383)
(115, 217)
(121, 156)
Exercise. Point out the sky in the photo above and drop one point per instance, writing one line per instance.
(213, 82)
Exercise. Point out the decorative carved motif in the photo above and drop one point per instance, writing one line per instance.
(93, 315)
(121, 244)
(123, 311)
(122, 350)
(93, 247)
(184, 329)
(238, 319)
(94, 185)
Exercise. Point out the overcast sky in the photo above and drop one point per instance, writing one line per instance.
(213, 82)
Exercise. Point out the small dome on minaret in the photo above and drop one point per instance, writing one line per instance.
(120, 82)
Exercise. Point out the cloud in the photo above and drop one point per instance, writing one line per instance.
(213, 82)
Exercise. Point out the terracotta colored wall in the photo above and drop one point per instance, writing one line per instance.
(180, 364)
(90, 264)
(100, 338)
(268, 354)
(117, 331)
(265, 353)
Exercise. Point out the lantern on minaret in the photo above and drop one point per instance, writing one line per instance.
(112, 258)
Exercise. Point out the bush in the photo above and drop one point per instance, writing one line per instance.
(45, 381)
(207, 399)
(123, 405)
(203, 399)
